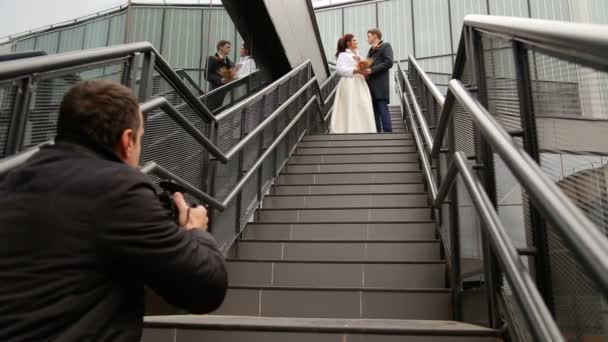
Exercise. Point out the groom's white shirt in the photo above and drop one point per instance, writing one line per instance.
(346, 63)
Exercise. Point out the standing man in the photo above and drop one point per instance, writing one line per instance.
(214, 64)
(378, 78)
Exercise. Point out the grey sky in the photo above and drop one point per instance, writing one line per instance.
(22, 15)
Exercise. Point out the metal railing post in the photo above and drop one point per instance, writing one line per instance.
(241, 165)
(147, 71)
(212, 172)
(261, 150)
(454, 218)
(485, 160)
(542, 265)
(20, 116)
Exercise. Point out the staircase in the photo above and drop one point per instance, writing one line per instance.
(343, 250)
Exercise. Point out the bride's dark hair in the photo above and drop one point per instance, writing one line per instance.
(343, 43)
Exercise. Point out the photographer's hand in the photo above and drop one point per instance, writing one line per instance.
(190, 218)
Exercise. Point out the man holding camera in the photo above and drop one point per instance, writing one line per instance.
(82, 231)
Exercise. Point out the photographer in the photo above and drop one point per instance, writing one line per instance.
(82, 231)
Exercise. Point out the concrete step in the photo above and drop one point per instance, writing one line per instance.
(361, 136)
(194, 328)
(336, 274)
(376, 215)
(359, 251)
(355, 158)
(340, 231)
(352, 167)
(355, 150)
(346, 201)
(349, 178)
(337, 303)
(358, 143)
(348, 189)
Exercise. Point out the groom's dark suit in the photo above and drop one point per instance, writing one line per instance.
(379, 86)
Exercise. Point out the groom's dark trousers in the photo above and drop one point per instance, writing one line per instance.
(379, 87)
(383, 116)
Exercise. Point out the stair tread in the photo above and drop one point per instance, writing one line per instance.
(346, 262)
(340, 289)
(368, 326)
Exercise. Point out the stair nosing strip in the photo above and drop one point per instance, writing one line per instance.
(354, 154)
(361, 163)
(350, 194)
(433, 241)
(343, 208)
(335, 262)
(337, 289)
(399, 183)
(343, 223)
(298, 327)
(349, 173)
(333, 140)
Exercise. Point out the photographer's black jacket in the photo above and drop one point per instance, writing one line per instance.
(80, 235)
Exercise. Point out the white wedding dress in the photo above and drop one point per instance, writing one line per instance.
(353, 111)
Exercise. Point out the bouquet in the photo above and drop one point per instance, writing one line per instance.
(227, 73)
(365, 64)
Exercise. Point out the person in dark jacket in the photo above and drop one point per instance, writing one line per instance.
(82, 231)
(378, 78)
(214, 64)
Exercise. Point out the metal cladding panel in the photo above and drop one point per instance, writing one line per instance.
(432, 29)
(146, 25)
(513, 8)
(71, 39)
(25, 44)
(437, 64)
(48, 42)
(117, 30)
(181, 44)
(461, 8)
(599, 11)
(217, 26)
(96, 34)
(551, 9)
(330, 26)
(359, 19)
(394, 19)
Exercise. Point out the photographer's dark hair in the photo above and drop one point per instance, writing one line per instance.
(98, 111)
(343, 43)
(222, 43)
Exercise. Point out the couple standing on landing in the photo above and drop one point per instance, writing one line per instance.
(362, 97)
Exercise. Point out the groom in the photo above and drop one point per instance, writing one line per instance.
(378, 78)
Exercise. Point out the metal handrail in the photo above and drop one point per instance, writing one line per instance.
(17, 69)
(580, 234)
(525, 290)
(163, 104)
(526, 293)
(252, 99)
(153, 168)
(427, 81)
(230, 85)
(590, 247)
(584, 43)
(588, 244)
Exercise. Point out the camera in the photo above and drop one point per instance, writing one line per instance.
(166, 197)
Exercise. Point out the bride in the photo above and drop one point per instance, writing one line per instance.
(353, 111)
